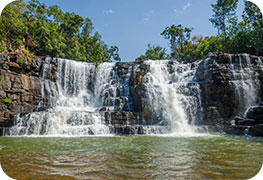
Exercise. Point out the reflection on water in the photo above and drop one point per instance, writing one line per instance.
(131, 157)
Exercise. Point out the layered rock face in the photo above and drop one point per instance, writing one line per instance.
(22, 86)
(250, 124)
(44, 96)
(230, 84)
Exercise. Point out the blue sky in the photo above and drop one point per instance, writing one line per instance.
(132, 24)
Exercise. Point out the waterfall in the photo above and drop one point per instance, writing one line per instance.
(88, 95)
(244, 80)
(173, 95)
(48, 88)
(82, 89)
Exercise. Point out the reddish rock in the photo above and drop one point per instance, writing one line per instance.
(20, 82)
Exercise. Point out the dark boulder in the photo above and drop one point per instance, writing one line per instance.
(255, 113)
(257, 130)
(245, 122)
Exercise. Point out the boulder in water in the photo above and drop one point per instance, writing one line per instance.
(255, 113)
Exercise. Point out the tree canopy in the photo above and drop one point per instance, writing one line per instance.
(179, 37)
(244, 36)
(155, 53)
(49, 31)
(224, 14)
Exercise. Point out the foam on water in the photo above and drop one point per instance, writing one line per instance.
(84, 92)
(173, 95)
(75, 112)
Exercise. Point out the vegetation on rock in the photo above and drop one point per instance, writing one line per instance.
(8, 100)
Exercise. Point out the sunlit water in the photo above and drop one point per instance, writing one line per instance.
(131, 157)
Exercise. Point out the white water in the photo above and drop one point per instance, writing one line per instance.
(245, 82)
(75, 112)
(86, 92)
(174, 97)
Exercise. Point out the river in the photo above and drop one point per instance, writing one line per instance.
(131, 157)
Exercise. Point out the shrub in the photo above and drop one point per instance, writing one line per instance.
(21, 61)
(8, 100)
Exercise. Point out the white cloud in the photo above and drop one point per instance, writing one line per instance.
(148, 15)
(110, 11)
(186, 6)
(146, 19)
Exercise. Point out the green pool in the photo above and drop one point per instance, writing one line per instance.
(131, 157)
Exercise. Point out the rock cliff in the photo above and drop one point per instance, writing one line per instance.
(22, 88)
(230, 84)
(226, 91)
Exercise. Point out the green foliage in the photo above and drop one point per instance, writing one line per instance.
(8, 100)
(243, 37)
(12, 27)
(27, 52)
(224, 14)
(179, 37)
(155, 53)
(250, 37)
(44, 30)
(2, 48)
(21, 61)
(233, 36)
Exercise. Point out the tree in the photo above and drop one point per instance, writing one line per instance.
(50, 31)
(155, 53)
(224, 14)
(252, 28)
(249, 35)
(252, 17)
(179, 37)
(12, 27)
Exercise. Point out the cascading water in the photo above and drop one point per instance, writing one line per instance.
(245, 83)
(86, 92)
(81, 91)
(173, 95)
(48, 88)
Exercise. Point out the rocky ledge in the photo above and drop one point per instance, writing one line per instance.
(22, 88)
(230, 84)
(25, 83)
(250, 124)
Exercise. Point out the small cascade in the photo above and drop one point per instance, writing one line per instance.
(244, 80)
(48, 88)
(173, 95)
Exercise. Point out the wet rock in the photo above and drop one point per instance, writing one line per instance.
(237, 129)
(140, 60)
(257, 130)
(219, 96)
(127, 114)
(255, 113)
(246, 122)
(128, 130)
(20, 85)
(143, 66)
